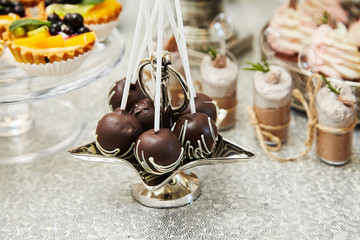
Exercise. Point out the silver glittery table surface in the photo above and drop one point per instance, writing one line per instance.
(57, 197)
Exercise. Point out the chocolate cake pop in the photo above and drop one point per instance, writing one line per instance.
(143, 110)
(204, 104)
(116, 93)
(116, 134)
(158, 152)
(197, 133)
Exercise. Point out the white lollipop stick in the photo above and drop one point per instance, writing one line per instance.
(132, 56)
(143, 45)
(186, 59)
(182, 52)
(158, 66)
(149, 24)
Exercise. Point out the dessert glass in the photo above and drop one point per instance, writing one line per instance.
(225, 95)
(333, 148)
(273, 113)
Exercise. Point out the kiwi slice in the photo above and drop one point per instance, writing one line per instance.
(37, 31)
(19, 32)
(63, 9)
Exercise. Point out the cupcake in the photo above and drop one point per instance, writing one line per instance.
(354, 32)
(316, 8)
(293, 29)
(40, 48)
(219, 75)
(272, 99)
(99, 15)
(337, 56)
(335, 109)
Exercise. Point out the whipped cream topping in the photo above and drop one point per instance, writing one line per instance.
(332, 112)
(218, 82)
(295, 30)
(272, 94)
(316, 9)
(337, 55)
(354, 32)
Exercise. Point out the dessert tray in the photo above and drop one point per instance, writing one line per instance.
(29, 123)
(174, 189)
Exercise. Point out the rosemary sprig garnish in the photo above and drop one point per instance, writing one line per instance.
(334, 90)
(212, 52)
(262, 67)
(325, 18)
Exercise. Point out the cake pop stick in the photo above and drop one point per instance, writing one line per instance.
(149, 24)
(143, 45)
(158, 66)
(182, 52)
(132, 56)
(186, 60)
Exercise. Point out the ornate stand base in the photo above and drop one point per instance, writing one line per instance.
(181, 190)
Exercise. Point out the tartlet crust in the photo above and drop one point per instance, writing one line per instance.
(105, 18)
(37, 56)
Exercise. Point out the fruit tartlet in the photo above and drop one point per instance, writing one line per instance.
(99, 15)
(49, 47)
(9, 12)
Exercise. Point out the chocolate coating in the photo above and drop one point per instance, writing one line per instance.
(117, 130)
(197, 133)
(144, 111)
(160, 152)
(203, 104)
(116, 93)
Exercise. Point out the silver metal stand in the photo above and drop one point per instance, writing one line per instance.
(183, 189)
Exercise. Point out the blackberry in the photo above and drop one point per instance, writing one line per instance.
(19, 10)
(83, 30)
(69, 30)
(53, 17)
(74, 20)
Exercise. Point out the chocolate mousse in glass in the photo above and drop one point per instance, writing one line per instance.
(335, 112)
(219, 76)
(272, 99)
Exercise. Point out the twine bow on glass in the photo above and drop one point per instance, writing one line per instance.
(313, 86)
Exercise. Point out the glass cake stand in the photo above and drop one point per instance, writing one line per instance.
(30, 128)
